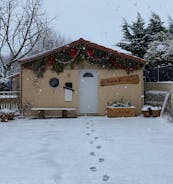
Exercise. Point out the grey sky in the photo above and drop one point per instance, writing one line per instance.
(100, 20)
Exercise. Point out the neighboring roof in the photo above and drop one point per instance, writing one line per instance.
(14, 75)
(85, 42)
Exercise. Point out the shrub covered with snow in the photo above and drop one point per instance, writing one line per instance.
(120, 103)
(4, 84)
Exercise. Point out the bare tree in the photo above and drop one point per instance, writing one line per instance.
(49, 39)
(21, 26)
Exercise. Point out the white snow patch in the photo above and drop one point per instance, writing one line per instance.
(4, 80)
(166, 82)
(7, 110)
(119, 49)
(156, 92)
(120, 107)
(8, 96)
(146, 107)
(133, 150)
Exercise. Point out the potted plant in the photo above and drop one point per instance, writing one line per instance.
(121, 108)
(149, 111)
(6, 114)
(156, 111)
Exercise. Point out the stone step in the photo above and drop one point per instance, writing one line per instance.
(157, 98)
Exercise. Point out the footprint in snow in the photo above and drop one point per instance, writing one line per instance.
(93, 168)
(88, 134)
(101, 159)
(99, 146)
(95, 137)
(92, 153)
(105, 177)
(92, 130)
(87, 123)
(87, 127)
(91, 125)
(91, 142)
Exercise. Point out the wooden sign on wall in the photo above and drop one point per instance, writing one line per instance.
(131, 79)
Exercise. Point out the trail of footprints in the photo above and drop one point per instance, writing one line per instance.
(90, 128)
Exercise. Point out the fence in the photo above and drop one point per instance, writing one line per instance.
(10, 100)
(158, 74)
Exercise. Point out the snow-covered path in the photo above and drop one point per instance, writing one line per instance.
(86, 150)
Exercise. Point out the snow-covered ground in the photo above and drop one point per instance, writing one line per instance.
(87, 150)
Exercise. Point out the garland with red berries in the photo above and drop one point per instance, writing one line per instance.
(77, 54)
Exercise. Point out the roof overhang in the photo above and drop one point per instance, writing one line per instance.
(87, 43)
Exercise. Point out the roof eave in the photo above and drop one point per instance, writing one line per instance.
(81, 41)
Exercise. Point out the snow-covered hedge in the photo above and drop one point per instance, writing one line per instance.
(120, 103)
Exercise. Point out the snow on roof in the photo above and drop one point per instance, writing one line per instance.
(119, 49)
(14, 75)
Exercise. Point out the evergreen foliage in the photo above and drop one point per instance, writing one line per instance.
(160, 50)
(134, 37)
(138, 37)
(155, 27)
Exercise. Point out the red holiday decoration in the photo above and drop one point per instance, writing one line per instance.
(90, 52)
(51, 60)
(27, 67)
(131, 69)
(113, 61)
(43, 67)
(73, 53)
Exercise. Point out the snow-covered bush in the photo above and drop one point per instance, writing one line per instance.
(120, 103)
(4, 84)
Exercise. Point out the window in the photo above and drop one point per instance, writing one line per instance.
(88, 75)
(54, 82)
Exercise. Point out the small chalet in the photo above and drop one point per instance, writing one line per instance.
(81, 75)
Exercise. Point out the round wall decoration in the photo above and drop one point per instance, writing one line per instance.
(54, 82)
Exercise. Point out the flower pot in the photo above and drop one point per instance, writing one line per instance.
(156, 113)
(151, 111)
(10, 116)
(146, 113)
(121, 112)
(4, 118)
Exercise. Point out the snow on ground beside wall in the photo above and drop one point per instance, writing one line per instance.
(156, 92)
(86, 150)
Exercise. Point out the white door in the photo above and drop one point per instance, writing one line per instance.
(88, 91)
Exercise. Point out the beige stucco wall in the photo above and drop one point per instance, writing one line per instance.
(38, 93)
(129, 92)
